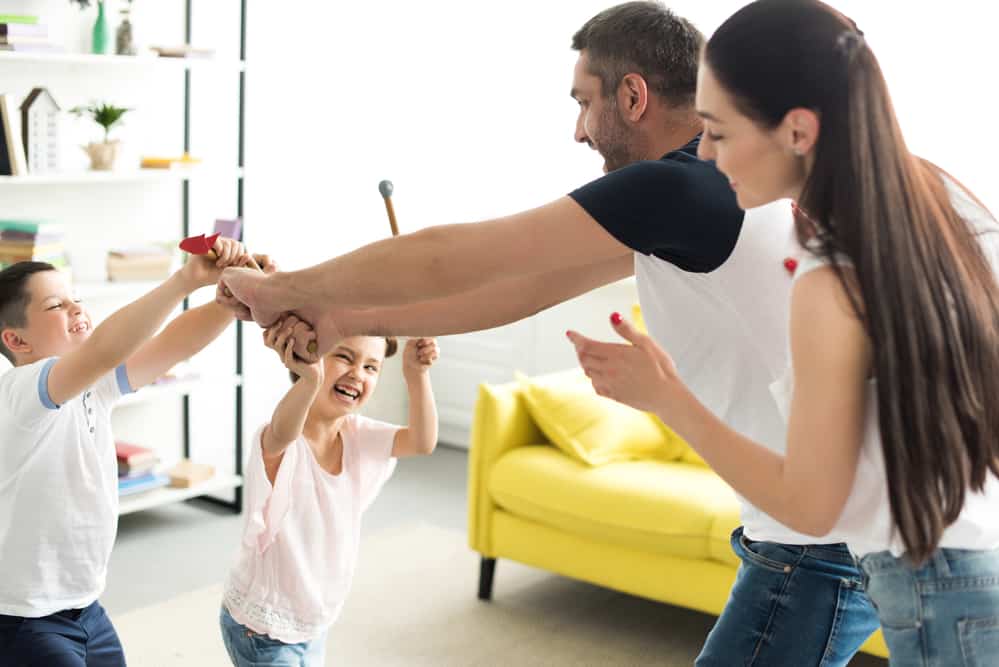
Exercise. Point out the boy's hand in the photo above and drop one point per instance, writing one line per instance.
(201, 271)
(418, 356)
(281, 338)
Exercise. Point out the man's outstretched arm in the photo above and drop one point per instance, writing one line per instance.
(489, 306)
(493, 305)
(435, 262)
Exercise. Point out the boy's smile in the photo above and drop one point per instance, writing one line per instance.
(56, 321)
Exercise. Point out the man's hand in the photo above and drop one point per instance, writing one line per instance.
(248, 293)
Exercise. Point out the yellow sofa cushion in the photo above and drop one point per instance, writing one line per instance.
(687, 453)
(593, 429)
(661, 506)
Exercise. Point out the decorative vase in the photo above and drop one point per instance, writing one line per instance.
(102, 155)
(123, 41)
(99, 39)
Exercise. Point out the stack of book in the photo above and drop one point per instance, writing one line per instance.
(32, 240)
(24, 33)
(148, 262)
(137, 469)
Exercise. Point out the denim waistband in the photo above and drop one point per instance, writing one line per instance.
(836, 552)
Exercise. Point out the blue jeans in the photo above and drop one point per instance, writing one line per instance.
(944, 613)
(71, 638)
(791, 606)
(246, 648)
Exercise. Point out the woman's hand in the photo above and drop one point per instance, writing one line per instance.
(638, 373)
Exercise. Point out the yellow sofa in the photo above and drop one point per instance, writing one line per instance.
(657, 529)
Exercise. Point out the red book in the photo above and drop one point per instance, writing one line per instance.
(133, 454)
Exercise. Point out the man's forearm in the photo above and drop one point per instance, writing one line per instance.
(452, 259)
(492, 305)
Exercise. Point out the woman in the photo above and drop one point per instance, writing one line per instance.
(893, 424)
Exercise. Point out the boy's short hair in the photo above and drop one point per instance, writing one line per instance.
(14, 296)
(391, 347)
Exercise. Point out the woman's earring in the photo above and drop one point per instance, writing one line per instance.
(798, 152)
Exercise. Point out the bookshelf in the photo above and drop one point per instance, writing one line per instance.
(89, 60)
(131, 201)
(123, 176)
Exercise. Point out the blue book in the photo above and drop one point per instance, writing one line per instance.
(151, 480)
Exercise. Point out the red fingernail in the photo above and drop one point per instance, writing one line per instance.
(790, 264)
(568, 334)
(615, 318)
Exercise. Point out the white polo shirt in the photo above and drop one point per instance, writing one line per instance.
(58, 491)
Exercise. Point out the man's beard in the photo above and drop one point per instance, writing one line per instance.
(616, 142)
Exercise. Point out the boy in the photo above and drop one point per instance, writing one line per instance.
(58, 474)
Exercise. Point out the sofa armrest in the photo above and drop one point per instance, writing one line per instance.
(501, 423)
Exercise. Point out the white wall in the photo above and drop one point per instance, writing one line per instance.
(465, 106)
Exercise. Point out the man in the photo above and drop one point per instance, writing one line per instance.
(712, 283)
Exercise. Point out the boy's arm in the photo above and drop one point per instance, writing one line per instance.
(119, 336)
(184, 337)
(420, 436)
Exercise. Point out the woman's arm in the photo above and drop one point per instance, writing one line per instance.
(808, 487)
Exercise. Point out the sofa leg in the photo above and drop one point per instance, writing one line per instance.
(486, 570)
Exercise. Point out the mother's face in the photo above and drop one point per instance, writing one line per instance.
(762, 165)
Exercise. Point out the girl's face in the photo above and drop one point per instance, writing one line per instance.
(761, 165)
(350, 375)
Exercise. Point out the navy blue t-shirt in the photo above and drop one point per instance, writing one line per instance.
(678, 208)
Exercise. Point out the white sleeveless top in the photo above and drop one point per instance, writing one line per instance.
(866, 523)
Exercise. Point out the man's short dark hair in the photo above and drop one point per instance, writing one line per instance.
(643, 38)
(14, 296)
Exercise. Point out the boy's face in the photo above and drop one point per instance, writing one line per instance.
(56, 322)
(351, 373)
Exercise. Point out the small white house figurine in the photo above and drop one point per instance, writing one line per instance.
(40, 131)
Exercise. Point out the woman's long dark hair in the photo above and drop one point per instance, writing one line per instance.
(923, 288)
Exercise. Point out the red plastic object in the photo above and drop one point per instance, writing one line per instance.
(198, 245)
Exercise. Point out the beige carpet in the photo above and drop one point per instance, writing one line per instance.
(414, 604)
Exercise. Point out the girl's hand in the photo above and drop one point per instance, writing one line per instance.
(202, 271)
(418, 356)
(639, 374)
(281, 338)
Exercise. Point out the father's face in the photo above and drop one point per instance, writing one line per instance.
(600, 124)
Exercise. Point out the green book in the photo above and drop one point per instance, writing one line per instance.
(18, 18)
(31, 226)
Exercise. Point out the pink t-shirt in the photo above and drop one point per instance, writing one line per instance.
(300, 543)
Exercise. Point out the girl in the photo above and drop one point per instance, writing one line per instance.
(312, 472)
(893, 433)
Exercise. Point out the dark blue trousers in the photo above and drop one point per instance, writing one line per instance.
(71, 638)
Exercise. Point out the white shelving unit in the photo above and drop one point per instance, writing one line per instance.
(33, 191)
(92, 60)
(179, 387)
(167, 495)
(123, 176)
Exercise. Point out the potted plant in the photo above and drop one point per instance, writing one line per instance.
(102, 155)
